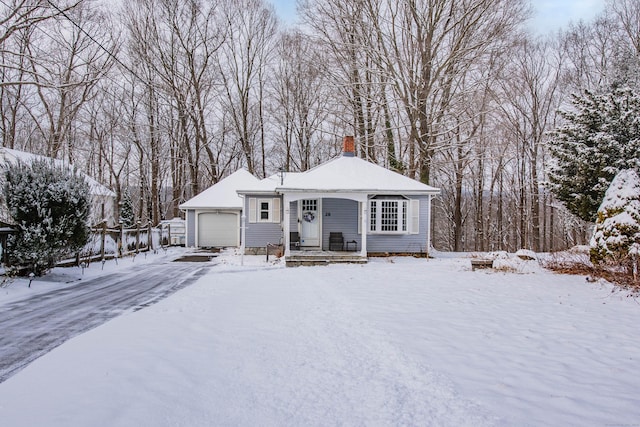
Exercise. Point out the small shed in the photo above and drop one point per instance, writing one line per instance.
(213, 216)
(176, 227)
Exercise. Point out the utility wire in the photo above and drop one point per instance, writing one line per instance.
(79, 27)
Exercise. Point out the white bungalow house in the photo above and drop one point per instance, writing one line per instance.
(344, 205)
(213, 216)
(103, 200)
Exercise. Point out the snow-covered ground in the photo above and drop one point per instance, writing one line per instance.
(399, 341)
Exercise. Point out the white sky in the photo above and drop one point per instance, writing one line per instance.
(550, 15)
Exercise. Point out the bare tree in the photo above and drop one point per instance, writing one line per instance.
(19, 15)
(424, 47)
(67, 60)
(243, 62)
(530, 89)
(299, 98)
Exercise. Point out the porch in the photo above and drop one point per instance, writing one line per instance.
(297, 258)
(313, 220)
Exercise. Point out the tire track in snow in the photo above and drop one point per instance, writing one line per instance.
(32, 327)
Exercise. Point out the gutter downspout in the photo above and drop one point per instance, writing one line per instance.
(243, 229)
(428, 249)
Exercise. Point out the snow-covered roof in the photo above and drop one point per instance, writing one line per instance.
(270, 183)
(352, 174)
(223, 195)
(8, 155)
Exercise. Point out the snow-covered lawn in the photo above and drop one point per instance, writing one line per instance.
(399, 341)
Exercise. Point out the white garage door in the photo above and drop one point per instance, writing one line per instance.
(218, 229)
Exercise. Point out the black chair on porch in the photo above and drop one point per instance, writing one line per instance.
(336, 241)
(294, 240)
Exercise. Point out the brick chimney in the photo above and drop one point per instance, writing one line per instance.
(348, 147)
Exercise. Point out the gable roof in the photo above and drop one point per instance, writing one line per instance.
(269, 184)
(223, 195)
(8, 155)
(352, 174)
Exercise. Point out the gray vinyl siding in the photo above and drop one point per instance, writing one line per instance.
(293, 216)
(403, 243)
(258, 234)
(340, 215)
(191, 228)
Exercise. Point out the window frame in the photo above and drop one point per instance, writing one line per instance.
(259, 210)
(380, 216)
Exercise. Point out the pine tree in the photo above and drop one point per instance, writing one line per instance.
(127, 216)
(618, 223)
(600, 137)
(49, 205)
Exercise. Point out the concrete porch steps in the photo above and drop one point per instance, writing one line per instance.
(310, 258)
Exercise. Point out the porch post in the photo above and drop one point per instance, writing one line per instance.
(364, 228)
(428, 225)
(286, 226)
(243, 229)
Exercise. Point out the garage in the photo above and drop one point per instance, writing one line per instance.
(212, 217)
(218, 229)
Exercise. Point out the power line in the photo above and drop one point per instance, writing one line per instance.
(79, 27)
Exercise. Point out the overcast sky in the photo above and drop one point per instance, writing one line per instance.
(551, 15)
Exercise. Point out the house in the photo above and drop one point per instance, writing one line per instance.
(213, 216)
(370, 209)
(103, 200)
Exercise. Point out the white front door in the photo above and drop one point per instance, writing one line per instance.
(309, 217)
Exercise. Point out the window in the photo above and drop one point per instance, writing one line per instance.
(264, 210)
(310, 205)
(393, 216)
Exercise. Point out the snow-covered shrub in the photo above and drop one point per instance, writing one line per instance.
(49, 206)
(497, 255)
(127, 216)
(618, 223)
(599, 137)
(526, 254)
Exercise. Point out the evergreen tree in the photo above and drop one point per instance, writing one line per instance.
(600, 137)
(49, 206)
(618, 223)
(127, 216)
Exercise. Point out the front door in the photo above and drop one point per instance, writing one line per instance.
(309, 218)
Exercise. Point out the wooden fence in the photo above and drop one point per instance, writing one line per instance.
(107, 243)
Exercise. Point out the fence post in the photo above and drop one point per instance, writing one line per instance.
(138, 237)
(104, 235)
(120, 238)
(150, 238)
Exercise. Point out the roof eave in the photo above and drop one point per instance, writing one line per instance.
(184, 208)
(264, 192)
(435, 191)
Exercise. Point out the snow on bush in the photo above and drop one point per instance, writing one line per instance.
(497, 255)
(618, 223)
(600, 136)
(49, 206)
(526, 254)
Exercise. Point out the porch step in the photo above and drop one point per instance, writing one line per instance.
(301, 259)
